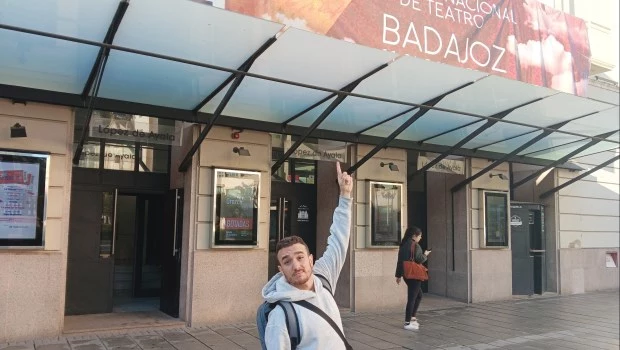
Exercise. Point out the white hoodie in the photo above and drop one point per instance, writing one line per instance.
(316, 333)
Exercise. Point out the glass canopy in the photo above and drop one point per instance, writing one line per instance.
(167, 56)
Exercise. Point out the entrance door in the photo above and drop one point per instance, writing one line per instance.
(293, 212)
(90, 265)
(528, 248)
(171, 253)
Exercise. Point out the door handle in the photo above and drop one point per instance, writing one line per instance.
(114, 221)
(174, 230)
(537, 251)
(280, 218)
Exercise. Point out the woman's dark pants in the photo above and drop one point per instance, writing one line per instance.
(414, 296)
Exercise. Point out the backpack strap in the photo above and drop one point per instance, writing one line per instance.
(326, 317)
(292, 323)
(325, 283)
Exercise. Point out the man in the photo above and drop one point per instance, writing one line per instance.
(296, 281)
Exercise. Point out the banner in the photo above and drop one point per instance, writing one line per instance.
(518, 39)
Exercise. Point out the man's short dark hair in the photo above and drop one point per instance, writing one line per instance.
(289, 241)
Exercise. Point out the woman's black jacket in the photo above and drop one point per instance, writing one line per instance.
(404, 253)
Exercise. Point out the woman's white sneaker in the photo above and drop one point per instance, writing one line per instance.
(412, 326)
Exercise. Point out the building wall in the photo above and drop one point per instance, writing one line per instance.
(589, 226)
(32, 281)
(491, 268)
(222, 284)
(602, 22)
(374, 285)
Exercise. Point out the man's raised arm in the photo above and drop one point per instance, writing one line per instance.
(330, 264)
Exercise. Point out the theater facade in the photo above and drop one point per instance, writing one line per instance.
(155, 151)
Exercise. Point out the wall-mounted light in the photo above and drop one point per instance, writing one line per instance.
(501, 176)
(18, 130)
(391, 166)
(241, 151)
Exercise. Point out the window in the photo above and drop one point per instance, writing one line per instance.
(119, 156)
(153, 159)
(495, 205)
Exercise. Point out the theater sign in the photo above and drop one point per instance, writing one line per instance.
(518, 39)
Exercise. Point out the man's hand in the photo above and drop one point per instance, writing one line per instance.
(345, 181)
(398, 280)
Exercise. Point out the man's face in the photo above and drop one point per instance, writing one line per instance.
(296, 264)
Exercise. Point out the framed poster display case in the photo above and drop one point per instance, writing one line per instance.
(23, 196)
(385, 213)
(235, 208)
(494, 215)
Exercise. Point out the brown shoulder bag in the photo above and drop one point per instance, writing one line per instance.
(413, 270)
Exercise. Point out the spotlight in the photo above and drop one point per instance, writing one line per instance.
(501, 176)
(391, 166)
(18, 130)
(241, 151)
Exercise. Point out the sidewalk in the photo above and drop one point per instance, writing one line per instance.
(587, 321)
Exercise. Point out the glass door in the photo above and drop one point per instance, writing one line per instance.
(279, 227)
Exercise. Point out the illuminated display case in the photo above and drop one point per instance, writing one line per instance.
(23, 193)
(385, 213)
(235, 211)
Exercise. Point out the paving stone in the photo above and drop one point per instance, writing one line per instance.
(10, 346)
(60, 346)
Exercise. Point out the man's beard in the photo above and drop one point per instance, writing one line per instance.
(299, 280)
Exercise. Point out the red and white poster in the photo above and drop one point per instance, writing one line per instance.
(518, 39)
(18, 200)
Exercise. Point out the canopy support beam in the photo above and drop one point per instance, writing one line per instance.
(571, 181)
(527, 133)
(94, 79)
(289, 120)
(485, 126)
(238, 78)
(402, 128)
(385, 121)
(507, 156)
(560, 161)
(104, 51)
(448, 131)
(245, 67)
(350, 87)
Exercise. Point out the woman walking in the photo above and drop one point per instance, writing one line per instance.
(410, 247)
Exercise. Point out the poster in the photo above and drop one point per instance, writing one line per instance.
(22, 191)
(496, 219)
(385, 213)
(523, 40)
(236, 207)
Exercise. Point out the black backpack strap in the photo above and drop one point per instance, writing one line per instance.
(329, 320)
(292, 323)
(325, 282)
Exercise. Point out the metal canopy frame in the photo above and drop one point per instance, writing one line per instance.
(91, 87)
(507, 156)
(52, 97)
(581, 176)
(560, 161)
(488, 124)
(238, 78)
(270, 78)
(529, 132)
(404, 126)
(322, 117)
